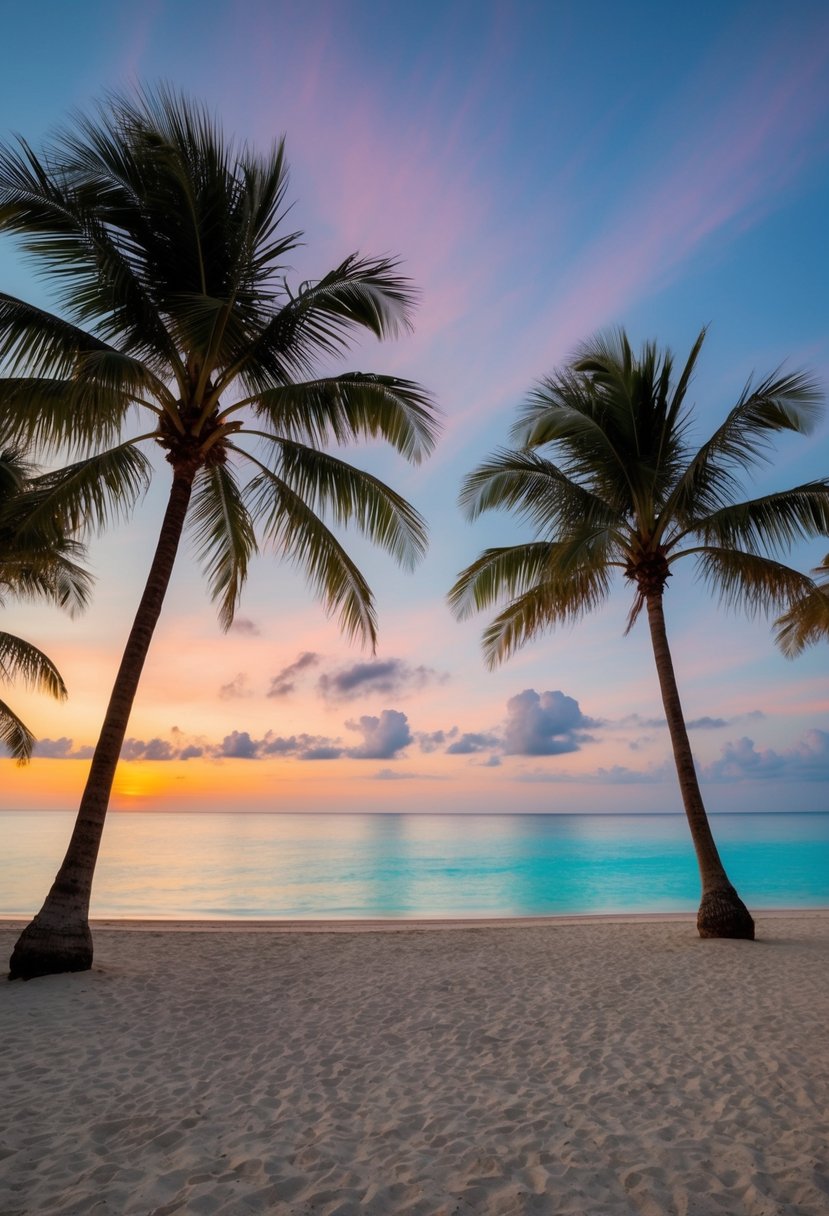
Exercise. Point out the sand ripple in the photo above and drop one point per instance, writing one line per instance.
(607, 1069)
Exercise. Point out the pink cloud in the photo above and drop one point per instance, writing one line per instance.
(402, 176)
(137, 39)
(717, 177)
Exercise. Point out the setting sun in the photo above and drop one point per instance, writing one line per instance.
(135, 782)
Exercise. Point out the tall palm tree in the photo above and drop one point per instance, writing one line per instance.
(167, 244)
(36, 562)
(806, 620)
(630, 494)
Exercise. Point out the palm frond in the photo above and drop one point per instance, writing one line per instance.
(15, 735)
(53, 415)
(562, 412)
(298, 534)
(224, 536)
(15, 471)
(537, 490)
(349, 495)
(353, 406)
(46, 572)
(671, 447)
(37, 557)
(774, 522)
(509, 571)
(32, 337)
(804, 623)
(215, 329)
(111, 369)
(317, 322)
(34, 206)
(777, 404)
(262, 202)
(66, 223)
(360, 293)
(21, 660)
(83, 388)
(749, 581)
(561, 407)
(92, 492)
(806, 620)
(543, 607)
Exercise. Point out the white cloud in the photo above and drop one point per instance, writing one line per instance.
(376, 677)
(61, 749)
(472, 742)
(546, 724)
(284, 682)
(246, 627)
(236, 688)
(383, 737)
(808, 760)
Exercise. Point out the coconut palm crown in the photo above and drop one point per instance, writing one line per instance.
(36, 562)
(605, 472)
(178, 332)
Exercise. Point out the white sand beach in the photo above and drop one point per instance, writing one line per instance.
(594, 1068)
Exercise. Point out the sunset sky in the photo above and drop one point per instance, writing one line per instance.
(544, 171)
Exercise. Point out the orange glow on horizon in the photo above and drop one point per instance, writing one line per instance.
(136, 782)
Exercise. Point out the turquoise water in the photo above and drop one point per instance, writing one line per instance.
(310, 866)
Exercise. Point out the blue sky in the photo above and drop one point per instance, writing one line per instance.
(544, 171)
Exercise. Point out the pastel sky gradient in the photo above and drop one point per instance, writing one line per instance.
(545, 170)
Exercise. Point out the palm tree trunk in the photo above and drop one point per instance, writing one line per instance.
(721, 912)
(59, 938)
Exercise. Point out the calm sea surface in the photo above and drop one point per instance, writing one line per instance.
(203, 866)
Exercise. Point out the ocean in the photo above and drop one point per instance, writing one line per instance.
(244, 865)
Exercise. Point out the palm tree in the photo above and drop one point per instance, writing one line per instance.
(630, 494)
(806, 620)
(36, 562)
(167, 244)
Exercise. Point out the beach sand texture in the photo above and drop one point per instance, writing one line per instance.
(595, 1069)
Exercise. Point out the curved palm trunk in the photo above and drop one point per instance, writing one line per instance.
(59, 939)
(721, 912)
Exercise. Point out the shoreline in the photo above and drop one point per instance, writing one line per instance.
(401, 924)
